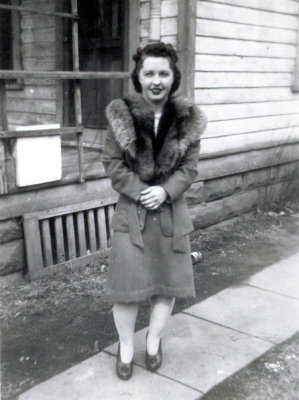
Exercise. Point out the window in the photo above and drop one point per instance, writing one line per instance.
(10, 51)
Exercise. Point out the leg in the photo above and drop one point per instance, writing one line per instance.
(161, 308)
(125, 317)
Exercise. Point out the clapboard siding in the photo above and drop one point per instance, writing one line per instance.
(242, 79)
(245, 54)
(247, 141)
(256, 124)
(242, 95)
(281, 6)
(234, 47)
(215, 62)
(231, 30)
(242, 15)
(248, 110)
(36, 102)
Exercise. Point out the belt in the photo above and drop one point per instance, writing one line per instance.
(137, 216)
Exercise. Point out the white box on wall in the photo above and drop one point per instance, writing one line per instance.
(38, 159)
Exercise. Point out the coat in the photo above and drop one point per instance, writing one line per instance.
(134, 158)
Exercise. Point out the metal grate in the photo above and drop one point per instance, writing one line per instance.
(71, 235)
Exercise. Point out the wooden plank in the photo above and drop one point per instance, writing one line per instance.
(248, 161)
(102, 227)
(41, 132)
(186, 27)
(9, 74)
(285, 6)
(145, 10)
(33, 92)
(59, 240)
(42, 63)
(222, 112)
(144, 28)
(29, 21)
(46, 242)
(243, 95)
(3, 125)
(169, 8)
(33, 200)
(31, 105)
(91, 231)
(40, 35)
(71, 241)
(169, 26)
(110, 215)
(231, 47)
(223, 63)
(295, 81)
(81, 233)
(131, 39)
(21, 118)
(223, 12)
(35, 11)
(212, 146)
(74, 208)
(170, 39)
(33, 246)
(231, 30)
(255, 124)
(242, 79)
(68, 266)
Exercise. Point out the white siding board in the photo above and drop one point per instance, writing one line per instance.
(248, 141)
(242, 79)
(220, 63)
(249, 110)
(255, 124)
(232, 30)
(169, 8)
(243, 95)
(169, 26)
(232, 47)
(170, 39)
(280, 6)
(223, 12)
(145, 10)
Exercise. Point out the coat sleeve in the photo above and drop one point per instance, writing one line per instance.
(124, 180)
(185, 175)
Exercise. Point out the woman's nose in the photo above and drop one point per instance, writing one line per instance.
(156, 80)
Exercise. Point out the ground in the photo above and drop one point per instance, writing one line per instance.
(51, 324)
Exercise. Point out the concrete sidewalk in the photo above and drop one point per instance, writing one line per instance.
(203, 345)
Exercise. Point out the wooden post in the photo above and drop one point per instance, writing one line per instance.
(78, 105)
(186, 45)
(295, 80)
(3, 125)
(155, 21)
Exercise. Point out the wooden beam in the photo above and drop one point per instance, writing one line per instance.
(35, 11)
(295, 80)
(46, 132)
(78, 104)
(186, 45)
(3, 147)
(10, 74)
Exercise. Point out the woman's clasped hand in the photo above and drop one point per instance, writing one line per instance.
(153, 197)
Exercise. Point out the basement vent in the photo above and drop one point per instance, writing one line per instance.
(69, 236)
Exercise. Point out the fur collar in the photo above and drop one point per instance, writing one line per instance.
(155, 158)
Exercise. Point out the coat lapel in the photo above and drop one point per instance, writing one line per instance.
(155, 158)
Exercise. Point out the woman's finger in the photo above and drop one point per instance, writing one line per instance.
(147, 202)
(147, 190)
(147, 197)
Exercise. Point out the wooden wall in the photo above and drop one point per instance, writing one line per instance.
(169, 13)
(36, 102)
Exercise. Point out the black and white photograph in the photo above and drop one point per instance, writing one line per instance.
(149, 199)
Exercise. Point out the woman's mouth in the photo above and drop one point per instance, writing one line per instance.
(156, 91)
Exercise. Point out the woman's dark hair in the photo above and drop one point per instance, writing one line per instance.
(157, 49)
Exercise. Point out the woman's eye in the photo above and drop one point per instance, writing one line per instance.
(148, 73)
(164, 73)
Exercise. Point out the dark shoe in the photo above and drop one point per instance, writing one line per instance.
(123, 370)
(154, 362)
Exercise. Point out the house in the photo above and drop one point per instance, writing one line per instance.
(240, 63)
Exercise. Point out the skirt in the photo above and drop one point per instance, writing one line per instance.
(136, 274)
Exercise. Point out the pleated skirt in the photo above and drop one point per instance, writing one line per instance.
(136, 274)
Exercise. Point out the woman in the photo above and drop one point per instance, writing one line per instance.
(151, 155)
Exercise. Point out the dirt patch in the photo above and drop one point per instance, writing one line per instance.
(53, 323)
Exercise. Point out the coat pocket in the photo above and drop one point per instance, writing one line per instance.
(120, 221)
(166, 221)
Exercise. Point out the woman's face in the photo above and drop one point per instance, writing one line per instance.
(156, 78)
